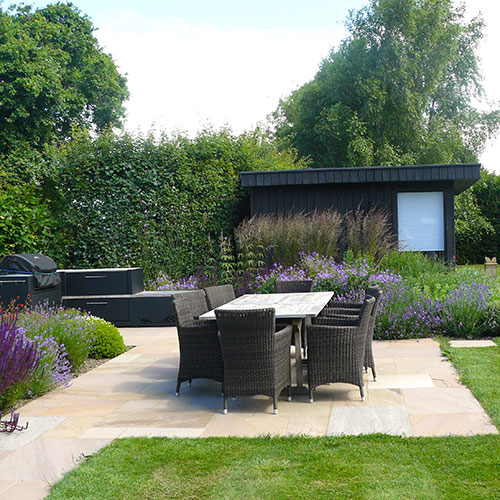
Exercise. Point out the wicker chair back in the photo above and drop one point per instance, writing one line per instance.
(219, 295)
(297, 286)
(189, 306)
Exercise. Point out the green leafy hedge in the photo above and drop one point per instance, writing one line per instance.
(120, 200)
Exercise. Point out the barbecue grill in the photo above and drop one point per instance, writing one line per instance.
(29, 278)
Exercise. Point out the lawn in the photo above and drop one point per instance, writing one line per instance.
(378, 467)
(375, 466)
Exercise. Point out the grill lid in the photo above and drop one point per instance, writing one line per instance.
(43, 268)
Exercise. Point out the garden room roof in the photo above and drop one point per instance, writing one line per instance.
(462, 175)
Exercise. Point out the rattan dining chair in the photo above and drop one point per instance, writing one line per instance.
(336, 352)
(256, 356)
(200, 353)
(348, 314)
(219, 295)
(293, 286)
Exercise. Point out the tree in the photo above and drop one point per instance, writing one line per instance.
(53, 74)
(477, 220)
(397, 91)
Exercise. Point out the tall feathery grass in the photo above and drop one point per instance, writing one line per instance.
(285, 236)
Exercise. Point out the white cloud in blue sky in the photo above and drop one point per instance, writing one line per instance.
(227, 62)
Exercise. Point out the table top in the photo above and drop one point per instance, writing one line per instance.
(286, 305)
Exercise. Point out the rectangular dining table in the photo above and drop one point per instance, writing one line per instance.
(293, 307)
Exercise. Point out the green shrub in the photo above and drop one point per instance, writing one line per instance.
(108, 342)
(411, 264)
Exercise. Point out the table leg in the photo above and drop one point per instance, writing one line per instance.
(299, 389)
(297, 328)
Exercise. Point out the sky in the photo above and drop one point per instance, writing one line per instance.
(192, 64)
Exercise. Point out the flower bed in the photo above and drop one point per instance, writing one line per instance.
(422, 296)
(43, 348)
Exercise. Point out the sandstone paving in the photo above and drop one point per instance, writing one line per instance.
(47, 459)
(234, 424)
(472, 343)
(384, 397)
(24, 490)
(5, 485)
(72, 427)
(37, 427)
(5, 454)
(400, 381)
(458, 424)
(349, 420)
(181, 432)
(417, 392)
(441, 400)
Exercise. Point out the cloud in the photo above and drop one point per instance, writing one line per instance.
(490, 69)
(185, 76)
(182, 76)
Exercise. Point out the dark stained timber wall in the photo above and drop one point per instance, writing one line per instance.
(347, 188)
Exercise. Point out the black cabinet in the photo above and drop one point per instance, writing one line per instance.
(78, 282)
(116, 309)
(154, 308)
(141, 309)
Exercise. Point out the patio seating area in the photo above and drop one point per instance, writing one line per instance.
(417, 393)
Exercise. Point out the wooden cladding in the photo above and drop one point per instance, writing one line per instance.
(346, 189)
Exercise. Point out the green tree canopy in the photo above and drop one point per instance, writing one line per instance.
(53, 74)
(397, 91)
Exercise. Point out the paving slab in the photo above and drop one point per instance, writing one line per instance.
(351, 420)
(6, 485)
(440, 400)
(458, 424)
(47, 459)
(473, 343)
(26, 490)
(37, 426)
(402, 381)
(184, 432)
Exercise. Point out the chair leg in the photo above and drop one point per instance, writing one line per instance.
(190, 382)
(362, 391)
(178, 388)
(289, 393)
(374, 373)
(225, 405)
(275, 404)
(311, 400)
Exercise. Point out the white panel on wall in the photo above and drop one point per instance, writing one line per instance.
(421, 221)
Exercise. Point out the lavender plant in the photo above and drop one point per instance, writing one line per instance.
(54, 369)
(466, 311)
(19, 356)
(166, 282)
(67, 327)
(406, 312)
